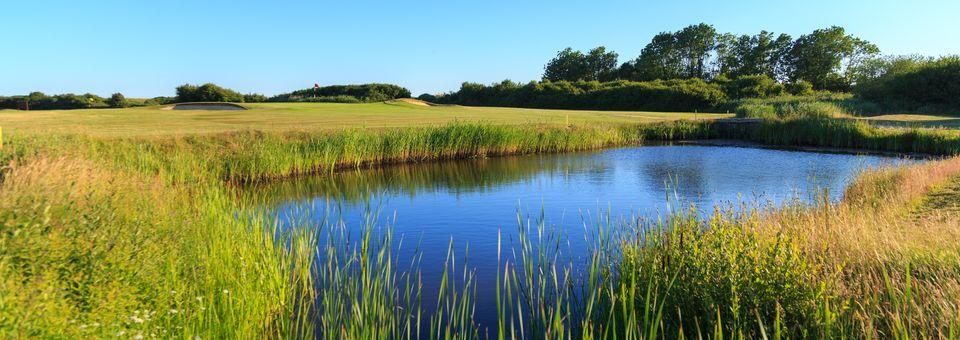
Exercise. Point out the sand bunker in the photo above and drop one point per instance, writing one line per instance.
(207, 106)
(414, 102)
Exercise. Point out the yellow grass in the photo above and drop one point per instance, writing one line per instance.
(916, 120)
(303, 116)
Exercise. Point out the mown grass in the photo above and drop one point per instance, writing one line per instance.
(140, 236)
(280, 117)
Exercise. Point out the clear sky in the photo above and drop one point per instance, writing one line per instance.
(146, 48)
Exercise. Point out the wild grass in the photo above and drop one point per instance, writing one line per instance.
(867, 267)
(825, 124)
(108, 237)
(88, 251)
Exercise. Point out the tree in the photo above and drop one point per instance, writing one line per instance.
(660, 59)
(672, 55)
(186, 93)
(822, 57)
(601, 65)
(117, 100)
(571, 65)
(727, 61)
(207, 93)
(568, 65)
(254, 98)
(694, 44)
(761, 54)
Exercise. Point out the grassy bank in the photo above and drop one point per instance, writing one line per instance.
(138, 236)
(107, 236)
(825, 124)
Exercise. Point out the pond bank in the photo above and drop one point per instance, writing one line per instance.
(165, 235)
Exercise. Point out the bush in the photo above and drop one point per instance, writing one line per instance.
(118, 100)
(41, 101)
(207, 93)
(159, 101)
(799, 88)
(753, 86)
(669, 95)
(762, 111)
(427, 98)
(254, 98)
(360, 93)
(927, 84)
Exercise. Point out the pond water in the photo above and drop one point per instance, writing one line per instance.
(471, 201)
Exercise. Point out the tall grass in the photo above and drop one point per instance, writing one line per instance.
(141, 236)
(866, 267)
(826, 124)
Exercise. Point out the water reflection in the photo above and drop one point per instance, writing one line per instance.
(470, 201)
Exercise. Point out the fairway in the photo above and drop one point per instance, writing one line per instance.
(154, 120)
(916, 120)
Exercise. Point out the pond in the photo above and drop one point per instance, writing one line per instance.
(471, 201)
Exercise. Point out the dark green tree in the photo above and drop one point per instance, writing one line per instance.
(694, 44)
(117, 100)
(761, 54)
(601, 65)
(822, 56)
(568, 65)
(660, 59)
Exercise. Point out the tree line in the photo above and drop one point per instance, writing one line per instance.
(208, 92)
(826, 58)
(41, 101)
(697, 68)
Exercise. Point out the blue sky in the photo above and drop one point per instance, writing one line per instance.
(146, 48)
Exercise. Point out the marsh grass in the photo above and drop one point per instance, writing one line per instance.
(140, 236)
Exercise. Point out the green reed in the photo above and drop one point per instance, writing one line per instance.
(140, 236)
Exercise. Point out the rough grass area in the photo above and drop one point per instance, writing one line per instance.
(916, 120)
(152, 121)
(126, 236)
(944, 199)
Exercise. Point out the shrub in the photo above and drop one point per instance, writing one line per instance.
(799, 88)
(118, 100)
(207, 93)
(254, 98)
(662, 95)
(753, 86)
(159, 101)
(751, 110)
(427, 97)
(364, 93)
(915, 84)
(41, 101)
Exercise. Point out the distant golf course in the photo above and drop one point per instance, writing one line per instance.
(157, 120)
(161, 120)
(707, 184)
